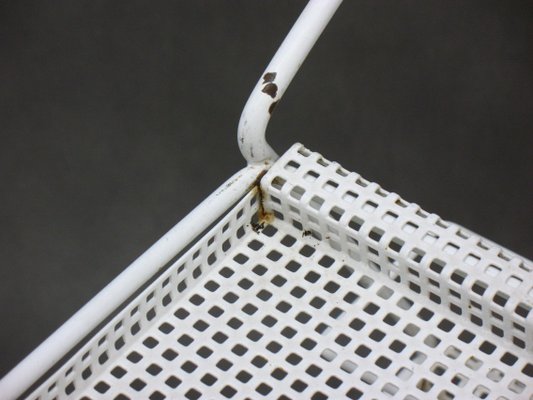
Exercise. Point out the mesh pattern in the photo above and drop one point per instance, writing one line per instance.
(141, 314)
(350, 293)
(460, 273)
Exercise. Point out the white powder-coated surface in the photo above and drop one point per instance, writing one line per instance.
(351, 293)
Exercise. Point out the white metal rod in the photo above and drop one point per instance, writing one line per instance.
(124, 285)
(277, 76)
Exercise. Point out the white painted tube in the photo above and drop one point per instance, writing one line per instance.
(38, 362)
(277, 77)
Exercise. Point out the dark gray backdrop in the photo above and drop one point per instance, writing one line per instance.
(117, 118)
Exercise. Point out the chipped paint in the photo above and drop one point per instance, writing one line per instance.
(269, 77)
(271, 89)
(272, 107)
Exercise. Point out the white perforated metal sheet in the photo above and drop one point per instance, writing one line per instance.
(350, 292)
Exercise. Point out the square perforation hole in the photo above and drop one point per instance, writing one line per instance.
(288, 241)
(492, 270)
(249, 309)
(292, 166)
(137, 384)
(481, 391)
(336, 213)
(404, 373)
(370, 206)
(316, 202)
(432, 341)
(451, 248)
(365, 282)
(418, 357)
(410, 227)
(513, 281)
(345, 271)
(424, 385)
(495, 375)
(173, 382)
(313, 277)
(473, 363)
(376, 234)
(452, 352)
(255, 245)
(154, 369)
(458, 276)
(472, 259)
(101, 387)
(377, 335)
(322, 328)
(297, 192)
(193, 394)
(385, 292)
(368, 377)
(357, 324)
(350, 196)
(356, 223)
(437, 265)
(402, 203)
(343, 340)
(479, 287)
(438, 369)
(411, 330)
(500, 298)
(396, 244)
(516, 386)
(326, 262)
(362, 351)
(334, 382)
(528, 370)
(519, 342)
(522, 310)
(337, 313)
(397, 346)
(416, 255)
(391, 319)
(330, 186)
(389, 217)
(311, 176)
(404, 303)
(459, 380)
(390, 389)
(308, 344)
(371, 308)
(414, 287)
(430, 238)
(348, 366)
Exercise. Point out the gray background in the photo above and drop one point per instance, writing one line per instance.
(117, 118)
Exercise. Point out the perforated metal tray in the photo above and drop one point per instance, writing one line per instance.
(349, 292)
(298, 279)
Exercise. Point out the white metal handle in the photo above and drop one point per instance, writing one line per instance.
(277, 76)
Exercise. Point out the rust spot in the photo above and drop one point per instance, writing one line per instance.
(271, 89)
(257, 226)
(272, 106)
(262, 217)
(269, 77)
(255, 183)
(306, 233)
